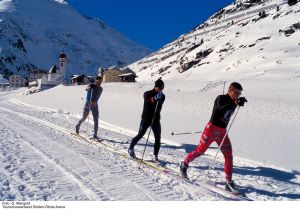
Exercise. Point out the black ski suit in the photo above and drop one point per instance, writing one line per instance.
(147, 117)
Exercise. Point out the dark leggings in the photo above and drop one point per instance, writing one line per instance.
(144, 125)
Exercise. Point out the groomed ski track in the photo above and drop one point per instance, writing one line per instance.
(47, 163)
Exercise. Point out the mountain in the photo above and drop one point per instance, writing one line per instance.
(34, 32)
(247, 39)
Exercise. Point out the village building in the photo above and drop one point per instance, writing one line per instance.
(111, 74)
(34, 76)
(115, 74)
(55, 76)
(81, 79)
(128, 75)
(18, 81)
(4, 83)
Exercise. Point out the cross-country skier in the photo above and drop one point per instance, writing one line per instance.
(215, 130)
(151, 99)
(94, 92)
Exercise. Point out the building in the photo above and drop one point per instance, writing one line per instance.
(128, 75)
(81, 79)
(3, 82)
(111, 74)
(115, 74)
(36, 74)
(18, 81)
(55, 76)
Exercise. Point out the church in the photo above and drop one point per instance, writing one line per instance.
(55, 76)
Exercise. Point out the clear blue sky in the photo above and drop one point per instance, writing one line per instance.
(152, 23)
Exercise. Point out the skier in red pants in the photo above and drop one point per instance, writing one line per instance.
(215, 130)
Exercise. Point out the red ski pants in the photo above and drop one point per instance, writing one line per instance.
(210, 134)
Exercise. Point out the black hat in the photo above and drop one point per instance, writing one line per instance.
(159, 83)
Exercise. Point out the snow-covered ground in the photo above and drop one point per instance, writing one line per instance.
(41, 161)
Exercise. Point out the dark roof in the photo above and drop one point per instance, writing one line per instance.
(127, 74)
(53, 69)
(38, 71)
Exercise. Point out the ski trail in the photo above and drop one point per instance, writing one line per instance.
(52, 160)
(258, 186)
(116, 190)
(83, 159)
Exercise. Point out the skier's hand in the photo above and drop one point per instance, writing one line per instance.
(241, 101)
(158, 96)
(92, 105)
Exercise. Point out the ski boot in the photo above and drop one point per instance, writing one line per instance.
(183, 169)
(77, 129)
(131, 153)
(155, 159)
(230, 187)
(95, 137)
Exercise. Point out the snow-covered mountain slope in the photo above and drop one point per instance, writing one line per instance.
(34, 32)
(241, 41)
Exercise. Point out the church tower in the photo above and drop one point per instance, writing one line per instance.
(62, 64)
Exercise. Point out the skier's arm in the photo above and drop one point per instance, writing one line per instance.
(93, 98)
(92, 101)
(148, 98)
(89, 87)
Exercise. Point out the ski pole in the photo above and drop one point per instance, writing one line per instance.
(185, 133)
(149, 133)
(212, 162)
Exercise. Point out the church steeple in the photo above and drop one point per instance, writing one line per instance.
(62, 64)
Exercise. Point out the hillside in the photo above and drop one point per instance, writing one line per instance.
(34, 32)
(242, 41)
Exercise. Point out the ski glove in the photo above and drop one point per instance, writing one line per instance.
(241, 101)
(158, 96)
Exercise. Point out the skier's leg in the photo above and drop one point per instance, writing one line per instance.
(95, 113)
(142, 130)
(226, 149)
(205, 140)
(157, 135)
(86, 110)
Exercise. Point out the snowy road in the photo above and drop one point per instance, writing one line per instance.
(41, 161)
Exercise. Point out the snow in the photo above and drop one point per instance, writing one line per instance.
(36, 124)
(6, 6)
(232, 55)
(53, 27)
(259, 125)
(40, 160)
